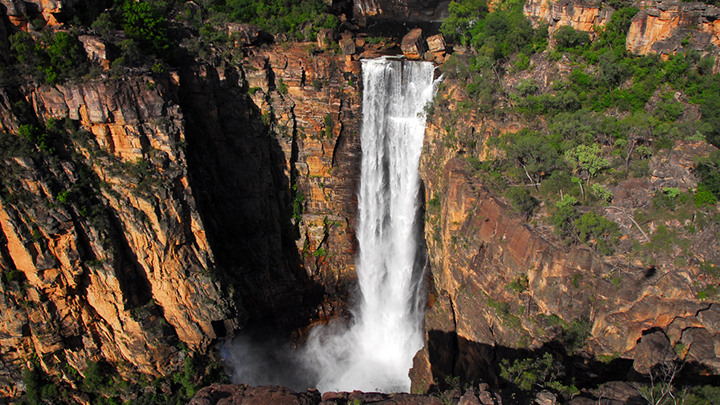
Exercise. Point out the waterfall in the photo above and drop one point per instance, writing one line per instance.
(376, 352)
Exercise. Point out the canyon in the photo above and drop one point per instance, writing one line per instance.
(181, 208)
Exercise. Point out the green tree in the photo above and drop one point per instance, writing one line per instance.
(567, 38)
(708, 169)
(53, 59)
(522, 201)
(147, 26)
(563, 218)
(533, 153)
(588, 159)
(462, 15)
(598, 229)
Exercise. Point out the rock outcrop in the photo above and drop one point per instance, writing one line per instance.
(414, 45)
(408, 10)
(21, 13)
(667, 28)
(579, 14)
(242, 394)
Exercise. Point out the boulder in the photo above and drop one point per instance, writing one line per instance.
(247, 34)
(436, 43)
(326, 37)
(654, 348)
(469, 398)
(710, 318)
(700, 345)
(413, 44)
(619, 393)
(545, 397)
(347, 45)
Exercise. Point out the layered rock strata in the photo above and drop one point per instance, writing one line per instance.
(667, 28)
(411, 10)
(176, 209)
(104, 253)
(581, 15)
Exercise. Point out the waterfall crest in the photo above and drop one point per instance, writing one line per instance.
(376, 352)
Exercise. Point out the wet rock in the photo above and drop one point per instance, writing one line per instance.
(243, 394)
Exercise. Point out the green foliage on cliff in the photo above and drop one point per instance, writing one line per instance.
(146, 25)
(38, 387)
(538, 373)
(584, 132)
(299, 18)
(495, 35)
(52, 58)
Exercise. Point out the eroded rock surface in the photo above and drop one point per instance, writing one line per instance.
(579, 14)
(669, 27)
(180, 208)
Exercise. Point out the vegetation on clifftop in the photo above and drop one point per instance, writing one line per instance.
(586, 131)
(572, 129)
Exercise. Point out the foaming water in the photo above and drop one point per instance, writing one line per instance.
(375, 353)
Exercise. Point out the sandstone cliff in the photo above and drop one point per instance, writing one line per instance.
(409, 10)
(501, 287)
(106, 234)
(667, 28)
(174, 209)
(581, 15)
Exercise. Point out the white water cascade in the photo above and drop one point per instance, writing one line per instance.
(376, 352)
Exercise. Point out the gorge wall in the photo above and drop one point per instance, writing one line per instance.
(150, 215)
(502, 286)
(174, 209)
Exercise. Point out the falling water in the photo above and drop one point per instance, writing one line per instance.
(376, 352)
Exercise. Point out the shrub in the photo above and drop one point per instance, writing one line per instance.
(599, 229)
(708, 170)
(704, 196)
(146, 25)
(53, 59)
(521, 200)
(567, 38)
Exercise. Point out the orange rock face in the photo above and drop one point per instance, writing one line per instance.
(581, 15)
(190, 179)
(124, 277)
(667, 27)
